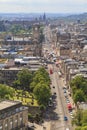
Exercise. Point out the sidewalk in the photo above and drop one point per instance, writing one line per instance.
(44, 126)
(70, 98)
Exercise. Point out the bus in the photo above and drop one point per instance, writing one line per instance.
(51, 71)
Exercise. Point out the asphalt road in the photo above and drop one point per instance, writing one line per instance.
(61, 106)
(56, 116)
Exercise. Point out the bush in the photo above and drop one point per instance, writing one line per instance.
(30, 117)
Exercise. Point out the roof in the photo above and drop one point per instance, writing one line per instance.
(7, 103)
(84, 41)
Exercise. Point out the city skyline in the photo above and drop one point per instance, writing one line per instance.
(38, 6)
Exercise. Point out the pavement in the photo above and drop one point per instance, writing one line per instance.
(44, 126)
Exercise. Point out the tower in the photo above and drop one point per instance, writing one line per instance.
(44, 17)
(36, 28)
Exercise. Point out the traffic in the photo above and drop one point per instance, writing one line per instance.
(60, 96)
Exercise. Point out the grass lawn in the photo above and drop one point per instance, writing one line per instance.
(25, 101)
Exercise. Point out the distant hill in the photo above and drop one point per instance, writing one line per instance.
(82, 17)
(30, 16)
(33, 14)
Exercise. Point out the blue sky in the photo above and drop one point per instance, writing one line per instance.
(40, 6)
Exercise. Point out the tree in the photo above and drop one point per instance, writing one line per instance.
(16, 84)
(79, 88)
(84, 118)
(25, 78)
(42, 73)
(84, 128)
(78, 128)
(6, 90)
(77, 81)
(81, 119)
(81, 128)
(84, 87)
(42, 93)
(78, 117)
(79, 96)
(40, 76)
(16, 28)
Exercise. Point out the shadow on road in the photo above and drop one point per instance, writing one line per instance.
(50, 114)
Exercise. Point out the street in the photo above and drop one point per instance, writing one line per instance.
(58, 114)
(61, 107)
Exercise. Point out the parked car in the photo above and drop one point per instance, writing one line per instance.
(53, 86)
(64, 90)
(67, 128)
(65, 118)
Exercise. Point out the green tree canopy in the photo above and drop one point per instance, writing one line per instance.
(42, 93)
(84, 128)
(84, 118)
(78, 128)
(24, 78)
(81, 119)
(16, 28)
(6, 90)
(79, 96)
(40, 76)
(77, 81)
(79, 88)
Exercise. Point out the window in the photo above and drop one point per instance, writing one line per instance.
(11, 123)
(1, 125)
(6, 124)
(21, 118)
(16, 120)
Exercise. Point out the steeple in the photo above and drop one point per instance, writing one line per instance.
(44, 17)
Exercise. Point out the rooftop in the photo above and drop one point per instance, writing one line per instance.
(7, 103)
(84, 41)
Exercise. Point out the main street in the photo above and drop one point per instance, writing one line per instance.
(60, 111)
(61, 106)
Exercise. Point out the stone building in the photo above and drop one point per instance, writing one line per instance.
(13, 116)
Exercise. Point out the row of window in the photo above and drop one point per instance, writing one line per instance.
(11, 123)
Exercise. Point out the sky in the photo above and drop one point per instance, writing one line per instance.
(40, 6)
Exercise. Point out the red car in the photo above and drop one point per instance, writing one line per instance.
(69, 106)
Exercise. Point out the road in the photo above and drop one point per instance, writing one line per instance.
(61, 107)
(57, 118)
(48, 34)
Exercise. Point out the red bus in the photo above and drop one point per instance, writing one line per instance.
(51, 71)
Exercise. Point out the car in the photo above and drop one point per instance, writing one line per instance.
(67, 101)
(71, 114)
(64, 90)
(65, 118)
(72, 117)
(65, 94)
(64, 87)
(54, 93)
(67, 128)
(53, 86)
